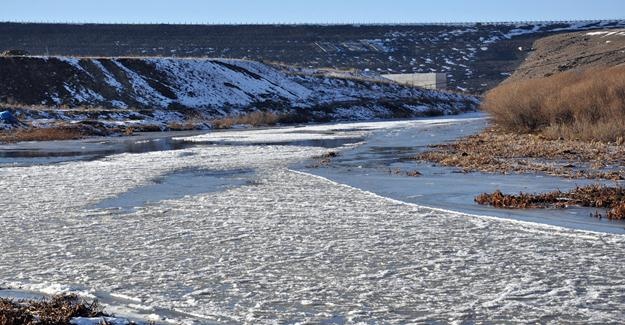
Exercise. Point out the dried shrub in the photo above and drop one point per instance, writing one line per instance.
(586, 105)
(42, 134)
(617, 212)
(325, 159)
(268, 118)
(329, 154)
(413, 173)
(253, 119)
(594, 196)
(58, 310)
(521, 201)
(190, 124)
(498, 151)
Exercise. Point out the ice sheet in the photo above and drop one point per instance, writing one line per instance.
(292, 247)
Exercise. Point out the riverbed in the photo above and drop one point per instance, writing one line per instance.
(242, 227)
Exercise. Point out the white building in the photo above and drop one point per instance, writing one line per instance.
(423, 80)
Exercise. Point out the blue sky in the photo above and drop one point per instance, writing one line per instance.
(306, 11)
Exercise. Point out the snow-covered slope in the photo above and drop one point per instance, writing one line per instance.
(168, 89)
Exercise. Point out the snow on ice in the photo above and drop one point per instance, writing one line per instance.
(292, 247)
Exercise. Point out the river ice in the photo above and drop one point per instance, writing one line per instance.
(291, 247)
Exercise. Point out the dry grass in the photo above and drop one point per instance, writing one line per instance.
(266, 119)
(192, 123)
(41, 134)
(253, 119)
(58, 310)
(587, 105)
(498, 151)
(595, 196)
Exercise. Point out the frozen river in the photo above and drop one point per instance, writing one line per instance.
(232, 227)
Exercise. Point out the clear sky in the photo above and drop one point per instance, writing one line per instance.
(306, 11)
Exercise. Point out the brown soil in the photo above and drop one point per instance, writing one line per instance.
(497, 151)
(572, 51)
(56, 310)
(595, 196)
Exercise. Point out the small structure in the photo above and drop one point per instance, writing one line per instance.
(423, 80)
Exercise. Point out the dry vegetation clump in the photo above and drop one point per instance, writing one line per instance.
(594, 196)
(58, 310)
(522, 201)
(42, 134)
(499, 151)
(617, 212)
(409, 173)
(325, 159)
(189, 124)
(253, 119)
(587, 105)
(267, 119)
(414, 173)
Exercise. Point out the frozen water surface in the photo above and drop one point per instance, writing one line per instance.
(292, 247)
(47, 152)
(373, 166)
(177, 184)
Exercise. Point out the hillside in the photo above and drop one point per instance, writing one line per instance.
(476, 57)
(573, 51)
(161, 91)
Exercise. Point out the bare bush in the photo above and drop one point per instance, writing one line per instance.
(253, 119)
(56, 310)
(587, 105)
(594, 196)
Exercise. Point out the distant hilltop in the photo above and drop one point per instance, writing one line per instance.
(475, 56)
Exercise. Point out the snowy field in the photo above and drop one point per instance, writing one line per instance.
(284, 246)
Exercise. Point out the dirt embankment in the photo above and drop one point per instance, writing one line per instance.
(573, 51)
(168, 92)
(476, 56)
